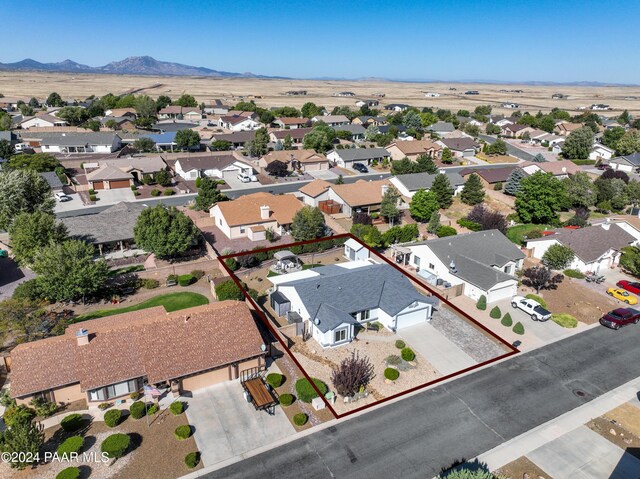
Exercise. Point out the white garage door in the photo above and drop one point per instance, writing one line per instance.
(412, 318)
(502, 293)
(617, 166)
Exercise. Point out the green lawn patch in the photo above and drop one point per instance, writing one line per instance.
(170, 301)
(126, 269)
(517, 233)
(564, 320)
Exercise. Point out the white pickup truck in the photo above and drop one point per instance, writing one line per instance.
(531, 307)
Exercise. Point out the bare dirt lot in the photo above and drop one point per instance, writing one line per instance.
(272, 92)
(521, 467)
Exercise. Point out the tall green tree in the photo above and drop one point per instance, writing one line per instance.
(540, 197)
(310, 109)
(24, 439)
(308, 224)
(31, 232)
(423, 205)
(513, 182)
(186, 100)
(145, 106)
(580, 190)
(165, 231)
(54, 100)
(258, 147)
(558, 257)
(498, 147)
(629, 143)
(389, 205)
(288, 143)
(578, 144)
(162, 101)
(447, 156)
(68, 271)
(144, 144)
(425, 164)
(444, 191)
(39, 162)
(473, 192)
(23, 191)
(613, 191)
(320, 138)
(611, 136)
(208, 194)
(6, 149)
(5, 121)
(434, 222)
(187, 139)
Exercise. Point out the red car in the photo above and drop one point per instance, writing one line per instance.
(630, 286)
(620, 317)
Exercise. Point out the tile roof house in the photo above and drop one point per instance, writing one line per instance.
(369, 120)
(109, 358)
(237, 138)
(348, 156)
(177, 112)
(595, 247)
(333, 299)
(122, 172)
(490, 176)
(361, 195)
(484, 261)
(296, 160)
(408, 185)
(315, 191)
(412, 149)
(460, 147)
(564, 127)
(515, 130)
(296, 134)
(223, 165)
(249, 216)
(626, 163)
(109, 230)
(559, 169)
(69, 142)
(292, 123)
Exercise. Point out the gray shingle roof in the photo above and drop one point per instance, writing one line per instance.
(592, 242)
(52, 179)
(329, 318)
(354, 154)
(353, 129)
(633, 159)
(441, 126)
(415, 181)
(113, 224)
(81, 139)
(358, 289)
(475, 255)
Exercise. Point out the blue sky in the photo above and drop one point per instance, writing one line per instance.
(421, 40)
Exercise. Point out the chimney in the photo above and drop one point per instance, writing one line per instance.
(264, 212)
(82, 336)
(385, 187)
(606, 225)
(564, 169)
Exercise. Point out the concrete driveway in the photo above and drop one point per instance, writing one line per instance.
(544, 332)
(227, 426)
(111, 197)
(584, 454)
(73, 204)
(11, 275)
(436, 348)
(323, 175)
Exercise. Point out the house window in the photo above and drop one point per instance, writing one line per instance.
(242, 229)
(362, 315)
(431, 266)
(220, 221)
(507, 269)
(114, 390)
(340, 335)
(416, 260)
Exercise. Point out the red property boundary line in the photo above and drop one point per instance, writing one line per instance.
(512, 350)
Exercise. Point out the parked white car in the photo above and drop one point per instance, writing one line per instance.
(244, 177)
(531, 307)
(61, 197)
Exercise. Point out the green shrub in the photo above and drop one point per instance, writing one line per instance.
(305, 391)
(168, 192)
(537, 298)
(228, 290)
(506, 320)
(112, 418)
(407, 354)
(193, 458)
(198, 182)
(135, 395)
(71, 445)
(518, 328)
(134, 187)
(564, 320)
(482, 303)
(17, 414)
(197, 274)
(155, 192)
(153, 410)
(185, 279)
(497, 186)
(137, 410)
(149, 283)
(286, 399)
(92, 191)
(182, 432)
(443, 231)
(232, 264)
(104, 405)
(72, 422)
(116, 445)
(43, 407)
(300, 419)
(176, 408)
(470, 225)
(573, 273)
(275, 380)
(400, 344)
(391, 374)
(495, 313)
(93, 198)
(69, 473)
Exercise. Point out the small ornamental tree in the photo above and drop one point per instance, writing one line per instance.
(482, 303)
(208, 194)
(473, 192)
(434, 222)
(558, 257)
(389, 204)
(506, 320)
(541, 277)
(423, 205)
(495, 313)
(447, 156)
(165, 231)
(518, 328)
(277, 168)
(228, 290)
(307, 224)
(352, 374)
(24, 439)
(488, 219)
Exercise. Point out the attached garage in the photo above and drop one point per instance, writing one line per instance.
(412, 318)
(199, 381)
(98, 185)
(502, 291)
(113, 184)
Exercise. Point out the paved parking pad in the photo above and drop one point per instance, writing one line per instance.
(584, 454)
(226, 425)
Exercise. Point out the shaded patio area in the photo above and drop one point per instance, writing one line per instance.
(216, 238)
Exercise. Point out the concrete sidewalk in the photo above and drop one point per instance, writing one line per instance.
(537, 438)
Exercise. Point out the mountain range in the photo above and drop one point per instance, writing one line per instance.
(129, 66)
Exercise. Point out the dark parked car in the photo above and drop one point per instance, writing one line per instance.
(620, 317)
(603, 166)
(360, 167)
(631, 286)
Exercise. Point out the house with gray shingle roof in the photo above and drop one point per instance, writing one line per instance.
(334, 300)
(409, 184)
(485, 262)
(72, 142)
(595, 247)
(626, 163)
(348, 156)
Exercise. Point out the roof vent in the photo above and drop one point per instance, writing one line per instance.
(316, 321)
(452, 267)
(186, 319)
(82, 335)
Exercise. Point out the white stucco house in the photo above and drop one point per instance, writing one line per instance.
(601, 152)
(94, 142)
(626, 163)
(484, 261)
(408, 185)
(214, 166)
(332, 301)
(238, 123)
(42, 121)
(314, 192)
(595, 247)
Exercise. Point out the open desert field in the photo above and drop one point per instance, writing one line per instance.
(268, 93)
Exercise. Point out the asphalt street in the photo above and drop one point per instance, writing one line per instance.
(420, 435)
